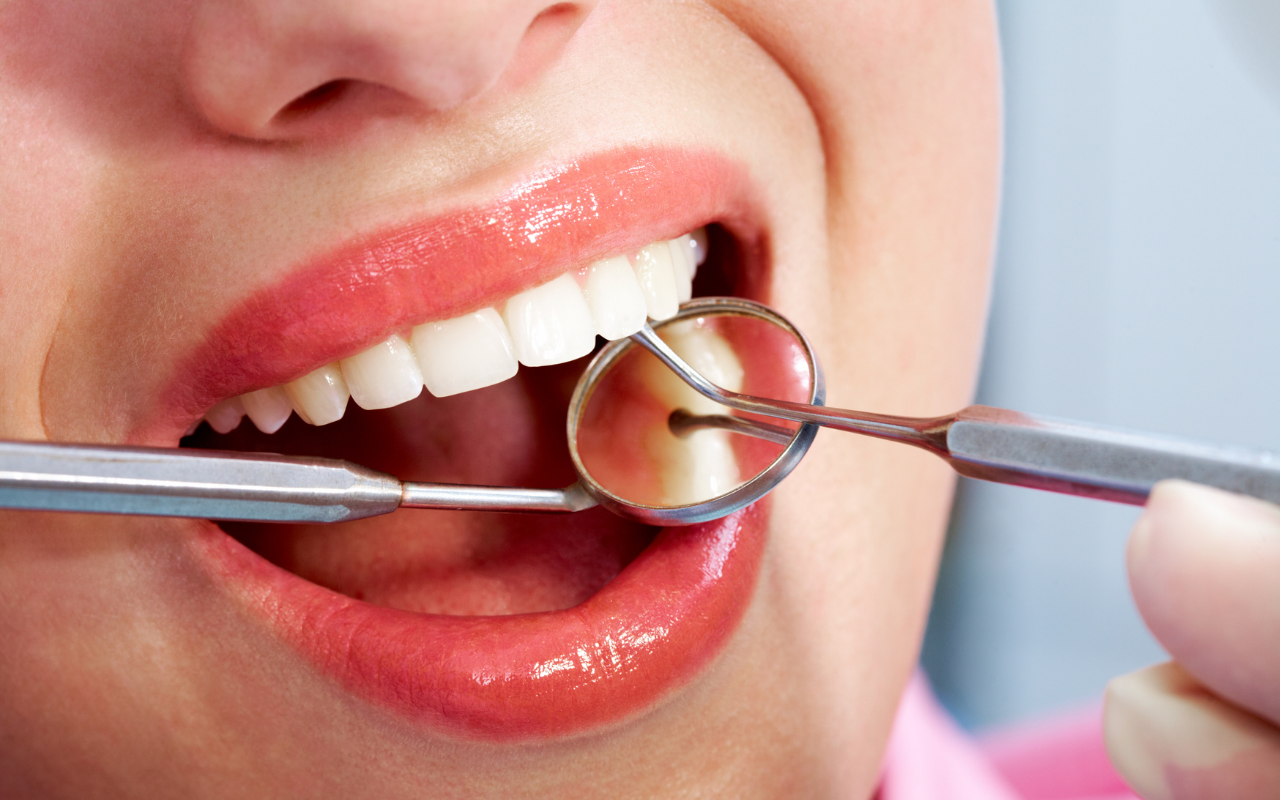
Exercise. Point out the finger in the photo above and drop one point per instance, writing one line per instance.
(1172, 740)
(1204, 566)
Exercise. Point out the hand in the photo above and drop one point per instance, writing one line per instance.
(1204, 566)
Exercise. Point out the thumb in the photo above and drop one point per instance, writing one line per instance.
(1172, 739)
(1204, 566)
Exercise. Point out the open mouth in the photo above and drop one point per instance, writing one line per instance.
(480, 399)
(493, 626)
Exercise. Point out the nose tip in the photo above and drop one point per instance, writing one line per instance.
(265, 69)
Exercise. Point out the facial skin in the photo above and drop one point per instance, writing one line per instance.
(158, 169)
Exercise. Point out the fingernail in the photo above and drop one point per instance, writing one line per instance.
(1159, 723)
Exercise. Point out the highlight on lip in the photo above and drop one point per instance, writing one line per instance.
(553, 323)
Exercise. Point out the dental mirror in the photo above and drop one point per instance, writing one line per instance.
(648, 446)
(686, 421)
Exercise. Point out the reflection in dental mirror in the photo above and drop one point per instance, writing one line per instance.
(622, 430)
(700, 465)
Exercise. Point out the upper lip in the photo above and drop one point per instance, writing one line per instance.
(356, 293)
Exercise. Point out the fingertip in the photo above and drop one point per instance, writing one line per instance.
(1180, 508)
(1188, 532)
(1202, 565)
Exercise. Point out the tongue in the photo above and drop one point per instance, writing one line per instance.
(450, 562)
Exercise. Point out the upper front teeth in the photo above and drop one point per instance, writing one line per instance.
(548, 324)
(655, 270)
(464, 353)
(613, 294)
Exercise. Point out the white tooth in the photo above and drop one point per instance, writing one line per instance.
(698, 239)
(225, 416)
(385, 375)
(268, 408)
(709, 355)
(550, 324)
(319, 397)
(614, 297)
(464, 353)
(696, 468)
(703, 464)
(657, 279)
(682, 263)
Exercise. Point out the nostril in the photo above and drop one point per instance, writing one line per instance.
(336, 106)
(283, 69)
(318, 99)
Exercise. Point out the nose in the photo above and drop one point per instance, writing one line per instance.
(268, 69)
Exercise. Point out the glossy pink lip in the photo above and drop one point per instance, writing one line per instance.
(528, 676)
(531, 676)
(345, 300)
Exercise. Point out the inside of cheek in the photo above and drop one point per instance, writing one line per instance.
(450, 562)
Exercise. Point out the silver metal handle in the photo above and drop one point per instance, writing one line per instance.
(214, 484)
(1097, 461)
(208, 484)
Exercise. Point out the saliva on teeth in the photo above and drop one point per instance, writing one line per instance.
(548, 324)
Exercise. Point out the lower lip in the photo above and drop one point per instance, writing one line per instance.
(525, 677)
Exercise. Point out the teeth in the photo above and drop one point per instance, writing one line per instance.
(464, 353)
(684, 265)
(656, 274)
(385, 375)
(698, 241)
(268, 408)
(696, 468)
(225, 416)
(550, 324)
(709, 355)
(320, 397)
(614, 297)
(702, 465)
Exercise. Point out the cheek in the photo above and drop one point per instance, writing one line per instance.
(46, 183)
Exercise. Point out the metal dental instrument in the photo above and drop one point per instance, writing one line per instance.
(1003, 446)
(979, 442)
(214, 484)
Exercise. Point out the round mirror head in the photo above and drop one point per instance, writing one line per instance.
(647, 446)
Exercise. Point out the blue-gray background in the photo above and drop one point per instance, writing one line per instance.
(1137, 284)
